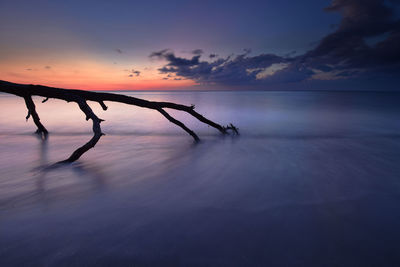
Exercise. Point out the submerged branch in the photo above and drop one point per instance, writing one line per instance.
(81, 97)
(96, 132)
(180, 124)
(32, 112)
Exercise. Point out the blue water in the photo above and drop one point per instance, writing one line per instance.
(313, 180)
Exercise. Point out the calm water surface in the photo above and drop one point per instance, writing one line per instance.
(313, 180)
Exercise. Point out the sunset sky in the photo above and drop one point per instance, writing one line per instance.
(216, 45)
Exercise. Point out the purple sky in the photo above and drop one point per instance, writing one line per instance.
(238, 45)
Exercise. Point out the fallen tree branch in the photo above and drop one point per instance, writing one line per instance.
(180, 124)
(32, 112)
(81, 97)
(96, 131)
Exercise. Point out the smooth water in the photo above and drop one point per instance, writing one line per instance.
(313, 180)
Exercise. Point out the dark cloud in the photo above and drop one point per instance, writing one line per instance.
(232, 69)
(28, 69)
(159, 53)
(366, 41)
(347, 47)
(134, 73)
(119, 51)
(47, 67)
(173, 60)
(197, 52)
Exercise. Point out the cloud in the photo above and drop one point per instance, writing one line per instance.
(133, 73)
(197, 52)
(232, 69)
(119, 51)
(159, 53)
(348, 47)
(173, 60)
(47, 67)
(365, 42)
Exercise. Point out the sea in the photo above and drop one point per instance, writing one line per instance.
(313, 179)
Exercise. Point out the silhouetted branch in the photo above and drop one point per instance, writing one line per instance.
(233, 128)
(180, 124)
(96, 131)
(32, 112)
(103, 106)
(81, 97)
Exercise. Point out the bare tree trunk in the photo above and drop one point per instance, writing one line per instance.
(81, 97)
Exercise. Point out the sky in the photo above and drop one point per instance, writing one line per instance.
(202, 45)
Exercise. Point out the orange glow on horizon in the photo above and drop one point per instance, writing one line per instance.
(87, 74)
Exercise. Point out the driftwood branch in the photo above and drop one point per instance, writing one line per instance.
(180, 124)
(81, 97)
(96, 131)
(32, 112)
